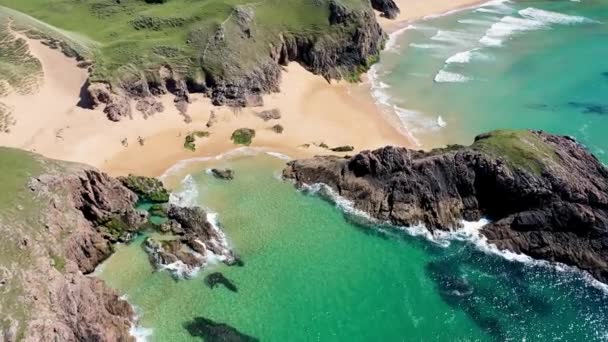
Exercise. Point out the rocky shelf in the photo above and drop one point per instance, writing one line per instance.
(545, 195)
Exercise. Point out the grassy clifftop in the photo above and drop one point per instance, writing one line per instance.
(208, 43)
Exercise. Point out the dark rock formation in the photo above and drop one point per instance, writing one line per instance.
(82, 211)
(271, 114)
(226, 174)
(388, 8)
(197, 240)
(211, 331)
(546, 195)
(348, 48)
(216, 278)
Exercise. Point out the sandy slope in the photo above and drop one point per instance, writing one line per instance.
(313, 111)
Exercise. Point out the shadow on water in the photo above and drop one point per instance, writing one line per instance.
(210, 331)
(490, 291)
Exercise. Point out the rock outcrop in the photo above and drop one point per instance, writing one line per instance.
(388, 8)
(198, 242)
(226, 174)
(347, 48)
(545, 195)
(79, 213)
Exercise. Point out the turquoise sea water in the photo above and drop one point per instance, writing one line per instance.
(314, 274)
(524, 64)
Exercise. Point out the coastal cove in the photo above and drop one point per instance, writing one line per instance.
(313, 272)
(458, 192)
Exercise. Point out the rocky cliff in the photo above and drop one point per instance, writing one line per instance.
(545, 195)
(242, 60)
(59, 221)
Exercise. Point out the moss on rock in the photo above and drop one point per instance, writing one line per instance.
(148, 189)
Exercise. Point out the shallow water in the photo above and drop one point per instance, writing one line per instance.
(524, 64)
(313, 273)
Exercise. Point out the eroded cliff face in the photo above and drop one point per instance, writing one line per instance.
(545, 195)
(242, 61)
(76, 206)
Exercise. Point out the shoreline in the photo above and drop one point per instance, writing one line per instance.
(313, 111)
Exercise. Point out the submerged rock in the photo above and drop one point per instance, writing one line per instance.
(212, 331)
(226, 174)
(216, 278)
(546, 195)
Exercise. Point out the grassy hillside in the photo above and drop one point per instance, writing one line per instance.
(19, 216)
(133, 38)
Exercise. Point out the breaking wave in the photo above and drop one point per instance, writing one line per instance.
(469, 231)
(450, 77)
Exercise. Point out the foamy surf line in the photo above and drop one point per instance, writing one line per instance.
(469, 232)
(240, 151)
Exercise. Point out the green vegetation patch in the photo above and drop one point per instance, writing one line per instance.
(243, 136)
(522, 149)
(198, 39)
(20, 72)
(190, 139)
(148, 189)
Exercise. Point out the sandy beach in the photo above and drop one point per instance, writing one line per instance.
(313, 111)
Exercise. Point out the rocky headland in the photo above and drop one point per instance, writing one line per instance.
(59, 221)
(233, 56)
(545, 195)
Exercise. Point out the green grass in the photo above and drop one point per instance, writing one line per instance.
(243, 136)
(20, 72)
(18, 211)
(132, 39)
(523, 149)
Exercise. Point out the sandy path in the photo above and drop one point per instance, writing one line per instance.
(313, 111)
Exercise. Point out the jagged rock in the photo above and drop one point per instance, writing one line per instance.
(226, 174)
(546, 195)
(116, 106)
(271, 114)
(345, 148)
(174, 256)
(149, 106)
(388, 8)
(196, 241)
(73, 202)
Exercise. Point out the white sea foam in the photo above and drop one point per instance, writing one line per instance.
(495, 7)
(553, 17)
(279, 155)
(241, 151)
(453, 37)
(391, 43)
(440, 122)
(468, 56)
(507, 27)
(477, 22)
(427, 46)
(450, 77)
(141, 334)
(469, 231)
(188, 196)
